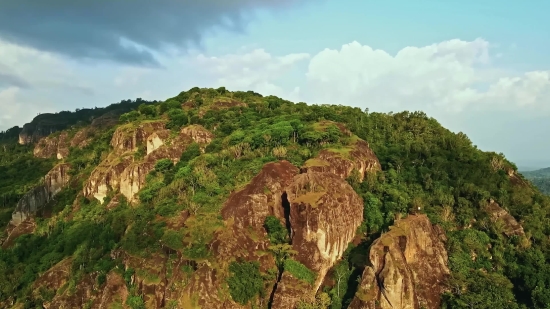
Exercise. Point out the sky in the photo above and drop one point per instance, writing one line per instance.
(480, 67)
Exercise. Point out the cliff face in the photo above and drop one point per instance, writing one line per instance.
(125, 141)
(321, 210)
(409, 268)
(32, 133)
(244, 236)
(58, 146)
(122, 171)
(128, 137)
(325, 213)
(38, 197)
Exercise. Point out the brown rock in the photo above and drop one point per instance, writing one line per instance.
(52, 146)
(325, 213)
(199, 134)
(128, 137)
(358, 157)
(498, 214)
(244, 236)
(409, 268)
(56, 179)
(161, 144)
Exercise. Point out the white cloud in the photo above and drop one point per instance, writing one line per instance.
(255, 70)
(453, 75)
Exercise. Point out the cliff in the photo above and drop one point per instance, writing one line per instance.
(123, 171)
(408, 268)
(39, 196)
(325, 213)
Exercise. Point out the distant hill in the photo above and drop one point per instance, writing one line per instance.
(540, 178)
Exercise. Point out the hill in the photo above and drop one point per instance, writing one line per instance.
(540, 178)
(219, 199)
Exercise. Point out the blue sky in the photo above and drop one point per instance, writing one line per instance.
(480, 67)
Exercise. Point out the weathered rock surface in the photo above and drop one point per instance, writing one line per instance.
(106, 176)
(325, 213)
(33, 132)
(87, 294)
(38, 197)
(130, 136)
(53, 146)
(162, 144)
(409, 268)
(358, 157)
(121, 171)
(199, 134)
(245, 237)
(510, 224)
(57, 145)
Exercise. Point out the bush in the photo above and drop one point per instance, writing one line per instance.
(245, 281)
(276, 232)
(299, 271)
(164, 165)
(176, 118)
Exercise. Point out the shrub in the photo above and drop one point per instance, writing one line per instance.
(245, 281)
(299, 271)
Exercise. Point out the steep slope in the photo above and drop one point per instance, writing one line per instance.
(218, 199)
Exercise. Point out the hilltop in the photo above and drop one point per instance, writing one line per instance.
(220, 199)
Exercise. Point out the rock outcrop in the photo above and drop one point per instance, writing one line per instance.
(244, 236)
(343, 162)
(132, 179)
(129, 137)
(33, 132)
(321, 211)
(53, 146)
(38, 197)
(409, 268)
(324, 214)
(57, 145)
(124, 172)
(511, 226)
(125, 141)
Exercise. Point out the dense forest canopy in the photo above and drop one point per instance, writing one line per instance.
(423, 164)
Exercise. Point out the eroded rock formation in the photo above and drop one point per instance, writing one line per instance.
(511, 226)
(38, 197)
(123, 171)
(409, 268)
(244, 236)
(343, 162)
(57, 145)
(325, 213)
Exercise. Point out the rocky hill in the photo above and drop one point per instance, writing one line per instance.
(218, 199)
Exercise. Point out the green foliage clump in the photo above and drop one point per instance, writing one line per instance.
(276, 232)
(164, 165)
(245, 281)
(135, 302)
(299, 271)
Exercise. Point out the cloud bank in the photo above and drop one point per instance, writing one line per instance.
(128, 31)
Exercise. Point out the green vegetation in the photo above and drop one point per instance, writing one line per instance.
(423, 164)
(299, 271)
(245, 281)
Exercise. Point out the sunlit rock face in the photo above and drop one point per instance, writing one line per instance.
(38, 197)
(409, 268)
